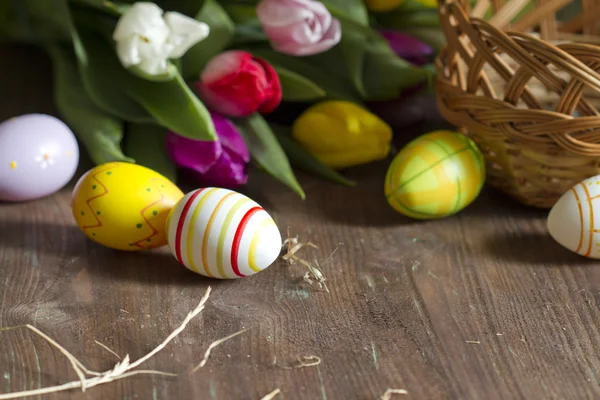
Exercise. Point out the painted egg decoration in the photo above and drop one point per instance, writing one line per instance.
(124, 206)
(38, 156)
(222, 234)
(574, 220)
(435, 175)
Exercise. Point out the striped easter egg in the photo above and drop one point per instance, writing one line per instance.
(574, 220)
(222, 234)
(435, 175)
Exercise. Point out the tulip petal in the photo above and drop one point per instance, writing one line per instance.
(329, 39)
(224, 64)
(230, 137)
(154, 66)
(141, 18)
(298, 27)
(128, 51)
(272, 92)
(226, 172)
(281, 13)
(185, 32)
(341, 134)
(407, 47)
(193, 154)
(236, 84)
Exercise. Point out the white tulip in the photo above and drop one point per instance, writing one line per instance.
(147, 39)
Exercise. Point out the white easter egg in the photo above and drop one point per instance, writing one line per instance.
(222, 234)
(574, 221)
(38, 156)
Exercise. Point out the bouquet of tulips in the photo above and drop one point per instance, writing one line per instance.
(192, 86)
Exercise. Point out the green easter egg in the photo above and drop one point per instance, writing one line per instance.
(435, 175)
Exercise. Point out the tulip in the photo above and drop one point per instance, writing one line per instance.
(407, 47)
(147, 39)
(222, 163)
(298, 27)
(382, 5)
(236, 84)
(341, 134)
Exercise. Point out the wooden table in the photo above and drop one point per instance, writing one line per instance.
(483, 305)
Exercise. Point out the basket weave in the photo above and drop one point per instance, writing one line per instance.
(525, 86)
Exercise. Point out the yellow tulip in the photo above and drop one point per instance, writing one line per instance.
(428, 3)
(341, 134)
(382, 5)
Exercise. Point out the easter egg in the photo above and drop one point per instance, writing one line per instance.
(574, 220)
(222, 234)
(124, 206)
(435, 175)
(38, 156)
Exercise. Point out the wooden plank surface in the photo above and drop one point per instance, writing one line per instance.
(483, 305)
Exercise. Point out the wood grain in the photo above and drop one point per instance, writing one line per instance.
(483, 305)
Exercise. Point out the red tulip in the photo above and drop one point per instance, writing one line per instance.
(237, 84)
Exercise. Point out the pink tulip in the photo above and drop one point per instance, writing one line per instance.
(236, 84)
(222, 163)
(298, 27)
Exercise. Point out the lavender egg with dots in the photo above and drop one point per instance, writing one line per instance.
(38, 156)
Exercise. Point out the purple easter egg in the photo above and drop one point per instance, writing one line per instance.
(38, 156)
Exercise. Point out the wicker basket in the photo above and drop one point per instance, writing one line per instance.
(525, 85)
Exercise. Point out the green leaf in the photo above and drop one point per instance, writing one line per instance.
(49, 19)
(402, 20)
(354, 10)
(295, 87)
(100, 71)
(382, 73)
(241, 14)
(267, 152)
(353, 48)
(14, 22)
(172, 104)
(169, 75)
(109, 7)
(191, 8)
(303, 160)
(246, 34)
(146, 144)
(221, 34)
(100, 133)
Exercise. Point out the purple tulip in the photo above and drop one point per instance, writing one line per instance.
(407, 47)
(222, 163)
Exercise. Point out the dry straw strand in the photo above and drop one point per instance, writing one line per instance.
(271, 395)
(388, 393)
(314, 273)
(105, 347)
(212, 346)
(121, 370)
(303, 362)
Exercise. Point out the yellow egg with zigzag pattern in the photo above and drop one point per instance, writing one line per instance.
(435, 175)
(124, 206)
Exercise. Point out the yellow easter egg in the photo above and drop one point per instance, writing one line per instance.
(124, 206)
(436, 175)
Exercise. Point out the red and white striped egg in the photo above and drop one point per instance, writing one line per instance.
(222, 234)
